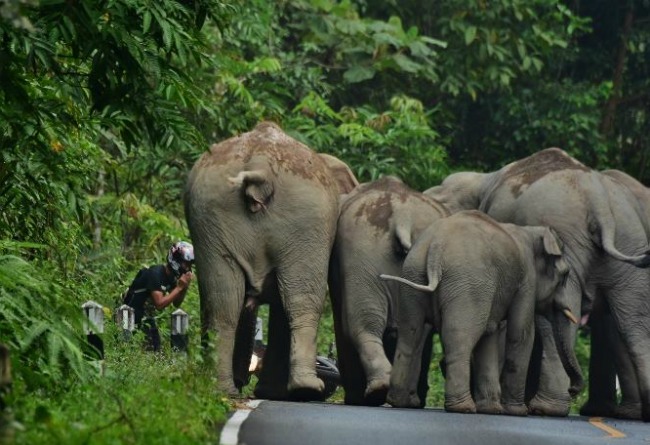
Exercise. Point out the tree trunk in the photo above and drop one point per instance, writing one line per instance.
(607, 123)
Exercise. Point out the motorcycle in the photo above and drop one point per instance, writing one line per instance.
(326, 368)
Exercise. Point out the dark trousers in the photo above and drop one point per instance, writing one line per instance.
(152, 335)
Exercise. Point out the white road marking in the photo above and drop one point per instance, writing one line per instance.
(230, 431)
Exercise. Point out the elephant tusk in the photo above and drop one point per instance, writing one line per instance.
(570, 316)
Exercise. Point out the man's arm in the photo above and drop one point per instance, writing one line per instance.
(176, 296)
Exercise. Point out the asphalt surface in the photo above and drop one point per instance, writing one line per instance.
(289, 423)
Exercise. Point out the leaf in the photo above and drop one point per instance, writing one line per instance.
(432, 41)
(406, 64)
(146, 22)
(358, 74)
(470, 34)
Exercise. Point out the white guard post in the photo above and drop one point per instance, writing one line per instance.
(94, 327)
(125, 319)
(179, 324)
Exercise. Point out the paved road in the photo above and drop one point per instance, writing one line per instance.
(290, 423)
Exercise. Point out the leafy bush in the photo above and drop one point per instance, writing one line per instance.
(141, 398)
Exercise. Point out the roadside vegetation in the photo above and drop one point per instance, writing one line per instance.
(105, 106)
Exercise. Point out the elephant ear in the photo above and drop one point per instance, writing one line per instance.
(552, 247)
(258, 189)
(403, 234)
(341, 173)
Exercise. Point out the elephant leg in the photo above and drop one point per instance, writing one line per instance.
(458, 342)
(221, 293)
(353, 379)
(602, 370)
(423, 381)
(629, 308)
(552, 397)
(274, 376)
(408, 355)
(244, 342)
(302, 285)
(630, 405)
(532, 379)
(486, 389)
(520, 332)
(365, 317)
(555, 387)
(375, 365)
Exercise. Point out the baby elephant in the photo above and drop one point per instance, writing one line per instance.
(479, 273)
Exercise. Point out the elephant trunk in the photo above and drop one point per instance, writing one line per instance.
(564, 330)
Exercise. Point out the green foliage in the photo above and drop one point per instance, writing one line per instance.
(40, 324)
(146, 398)
(399, 141)
(104, 107)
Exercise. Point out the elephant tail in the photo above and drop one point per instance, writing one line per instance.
(642, 260)
(604, 216)
(421, 287)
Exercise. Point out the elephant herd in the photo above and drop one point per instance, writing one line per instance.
(502, 265)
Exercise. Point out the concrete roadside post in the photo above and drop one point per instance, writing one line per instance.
(125, 319)
(94, 328)
(179, 324)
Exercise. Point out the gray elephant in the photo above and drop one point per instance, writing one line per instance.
(262, 209)
(608, 355)
(477, 273)
(594, 217)
(377, 226)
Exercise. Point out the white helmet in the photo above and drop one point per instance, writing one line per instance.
(180, 253)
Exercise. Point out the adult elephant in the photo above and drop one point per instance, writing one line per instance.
(262, 209)
(609, 357)
(466, 274)
(594, 218)
(378, 223)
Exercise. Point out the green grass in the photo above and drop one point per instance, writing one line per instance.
(139, 398)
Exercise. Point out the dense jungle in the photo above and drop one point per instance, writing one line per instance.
(106, 105)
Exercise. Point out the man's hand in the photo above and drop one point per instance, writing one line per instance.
(184, 280)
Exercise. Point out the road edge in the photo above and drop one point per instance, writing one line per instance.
(230, 431)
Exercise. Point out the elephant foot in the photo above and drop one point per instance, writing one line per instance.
(230, 391)
(489, 406)
(630, 411)
(353, 396)
(543, 406)
(463, 405)
(604, 409)
(403, 399)
(376, 392)
(306, 388)
(270, 391)
(515, 409)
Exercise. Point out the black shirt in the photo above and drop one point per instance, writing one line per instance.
(139, 294)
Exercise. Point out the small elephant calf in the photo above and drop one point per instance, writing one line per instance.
(478, 272)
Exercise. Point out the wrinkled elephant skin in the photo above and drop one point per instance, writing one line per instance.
(378, 223)
(464, 276)
(262, 208)
(602, 230)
